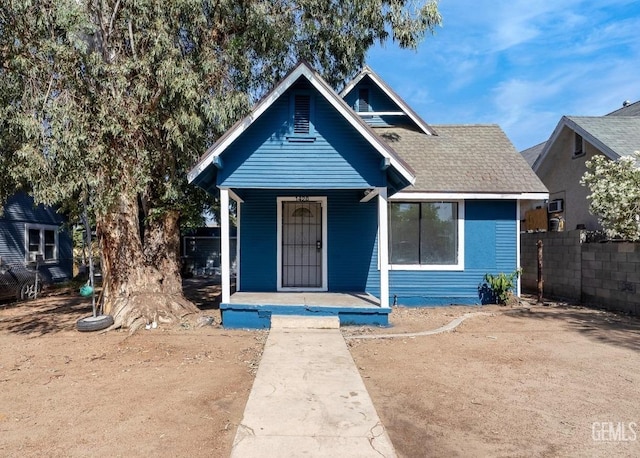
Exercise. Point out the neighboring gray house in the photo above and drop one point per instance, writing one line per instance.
(29, 232)
(560, 162)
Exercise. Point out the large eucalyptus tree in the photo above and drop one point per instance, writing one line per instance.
(114, 100)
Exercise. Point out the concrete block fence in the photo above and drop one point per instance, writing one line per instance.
(605, 275)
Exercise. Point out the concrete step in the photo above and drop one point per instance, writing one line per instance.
(304, 322)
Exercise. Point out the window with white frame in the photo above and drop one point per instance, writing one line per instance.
(41, 240)
(425, 234)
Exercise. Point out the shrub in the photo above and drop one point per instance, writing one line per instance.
(500, 285)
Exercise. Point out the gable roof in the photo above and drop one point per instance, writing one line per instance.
(614, 136)
(302, 70)
(367, 72)
(531, 154)
(463, 159)
(628, 109)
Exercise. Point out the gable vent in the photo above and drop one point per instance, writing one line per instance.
(363, 100)
(302, 114)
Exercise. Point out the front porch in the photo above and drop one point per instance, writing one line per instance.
(254, 309)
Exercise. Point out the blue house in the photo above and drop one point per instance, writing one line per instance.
(30, 232)
(347, 203)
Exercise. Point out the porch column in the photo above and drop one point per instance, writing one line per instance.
(518, 248)
(225, 265)
(383, 246)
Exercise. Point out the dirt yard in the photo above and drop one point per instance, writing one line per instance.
(520, 384)
(157, 393)
(553, 381)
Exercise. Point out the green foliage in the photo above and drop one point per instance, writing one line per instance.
(615, 194)
(111, 97)
(501, 285)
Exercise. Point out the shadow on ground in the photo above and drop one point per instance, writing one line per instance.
(58, 310)
(205, 292)
(599, 325)
(45, 315)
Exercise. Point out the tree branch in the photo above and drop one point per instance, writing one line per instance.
(132, 42)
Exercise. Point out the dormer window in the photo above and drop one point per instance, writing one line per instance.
(302, 118)
(363, 100)
(578, 145)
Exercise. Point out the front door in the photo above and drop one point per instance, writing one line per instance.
(301, 243)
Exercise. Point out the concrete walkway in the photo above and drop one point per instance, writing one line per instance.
(308, 398)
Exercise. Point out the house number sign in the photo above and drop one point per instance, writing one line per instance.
(302, 198)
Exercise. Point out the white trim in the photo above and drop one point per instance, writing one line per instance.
(224, 245)
(383, 246)
(329, 94)
(238, 212)
(235, 197)
(41, 248)
(518, 247)
(572, 125)
(323, 205)
(421, 196)
(370, 195)
(461, 248)
(391, 94)
(380, 113)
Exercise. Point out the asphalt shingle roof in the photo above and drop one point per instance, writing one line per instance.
(532, 154)
(462, 158)
(621, 134)
(633, 109)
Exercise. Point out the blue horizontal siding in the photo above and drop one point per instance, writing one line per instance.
(264, 157)
(21, 210)
(378, 100)
(351, 234)
(490, 247)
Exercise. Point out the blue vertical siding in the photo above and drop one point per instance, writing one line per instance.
(490, 247)
(268, 155)
(351, 234)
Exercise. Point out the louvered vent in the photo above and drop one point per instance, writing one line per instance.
(302, 113)
(363, 100)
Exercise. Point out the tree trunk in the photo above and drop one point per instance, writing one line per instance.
(141, 276)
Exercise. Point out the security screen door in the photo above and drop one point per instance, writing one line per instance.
(301, 244)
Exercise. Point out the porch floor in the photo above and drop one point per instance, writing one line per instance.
(312, 299)
(254, 310)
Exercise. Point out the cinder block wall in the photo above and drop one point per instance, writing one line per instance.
(600, 274)
(611, 275)
(562, 264)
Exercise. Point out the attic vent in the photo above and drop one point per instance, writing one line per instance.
(302, 114)
(363, 100)
(578, 145)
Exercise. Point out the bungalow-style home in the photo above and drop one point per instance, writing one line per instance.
(348, 203)
(560, 162)
(32, 235)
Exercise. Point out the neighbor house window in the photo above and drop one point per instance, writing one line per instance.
(424, 233)
(578, 145)
(41, 240)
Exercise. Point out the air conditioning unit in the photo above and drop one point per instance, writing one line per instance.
(555, 206)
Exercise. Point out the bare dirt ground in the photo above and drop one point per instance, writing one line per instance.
(552, 381)
(178, 392)
(529, 383)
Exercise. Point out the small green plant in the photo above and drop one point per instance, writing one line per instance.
(501, 285)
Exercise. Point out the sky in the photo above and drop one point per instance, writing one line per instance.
(521, 64)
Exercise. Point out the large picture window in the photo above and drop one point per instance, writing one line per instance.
(424, 233)
(41, 240)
